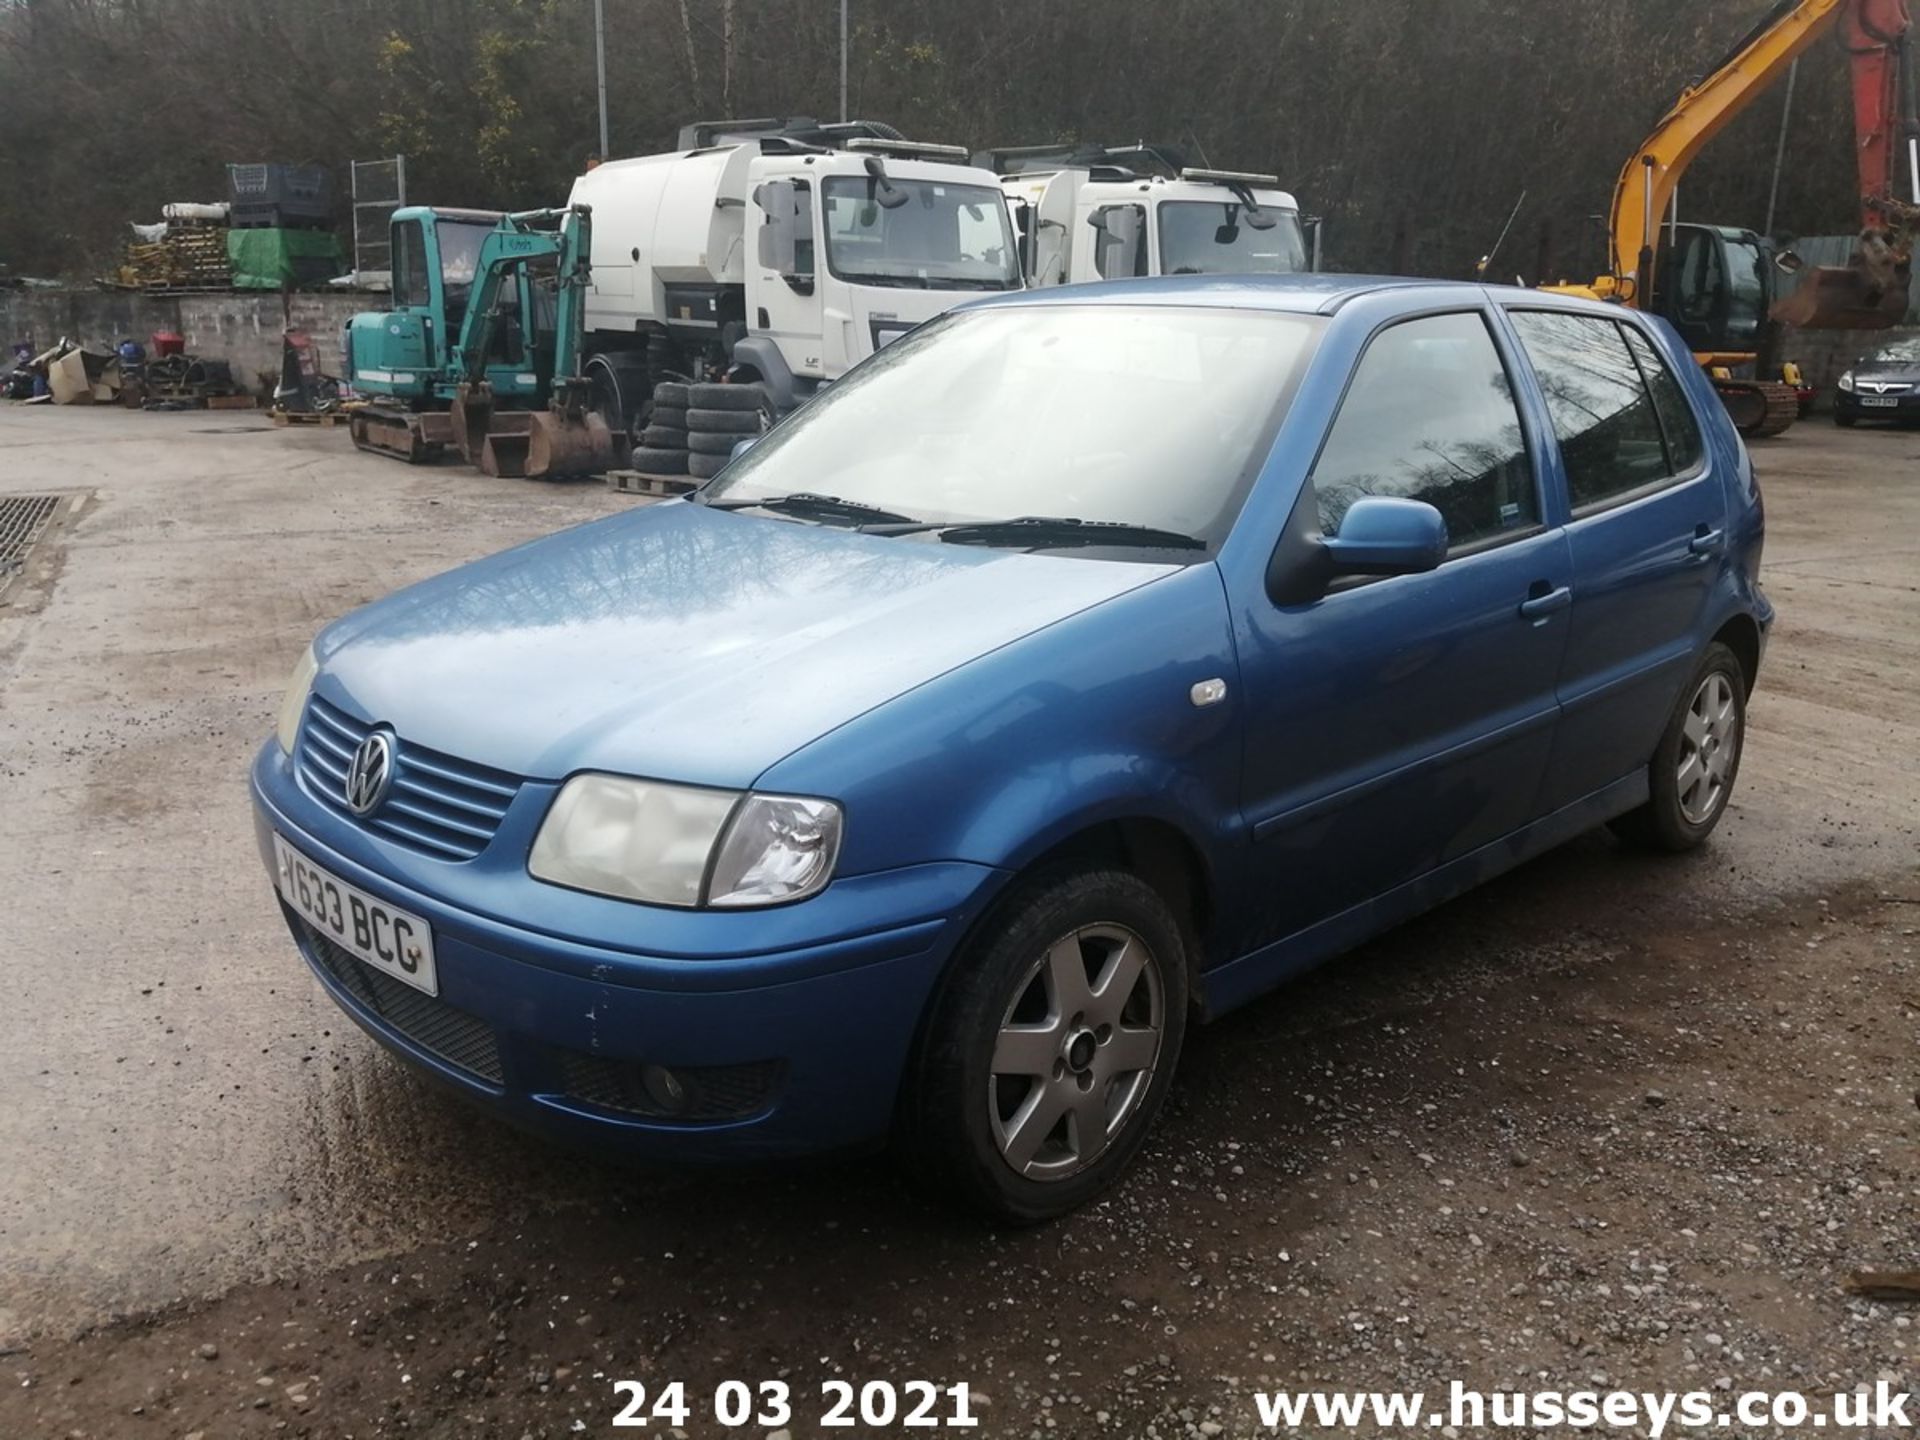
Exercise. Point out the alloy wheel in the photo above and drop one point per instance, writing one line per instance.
(1709, 745)
(1075, 1054)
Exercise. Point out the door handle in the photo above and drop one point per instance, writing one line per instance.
(1543, 604)
(1706, 543)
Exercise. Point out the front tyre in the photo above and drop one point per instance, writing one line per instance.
(1050, 1050)
(1698, 759)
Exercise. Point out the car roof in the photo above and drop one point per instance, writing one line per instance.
(1321, 294)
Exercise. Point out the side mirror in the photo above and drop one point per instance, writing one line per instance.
(779, 235)
(1259, 219)
(1790, 261)
(745, 443)
(1384, 535)
(1119, 223)
(890, 195)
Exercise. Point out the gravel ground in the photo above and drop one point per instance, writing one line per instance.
(1610, 1122)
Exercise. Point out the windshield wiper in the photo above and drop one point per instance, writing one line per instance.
(1049, 532)
(809, 504)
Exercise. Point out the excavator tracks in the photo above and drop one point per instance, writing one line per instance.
(410, 435)
(1759, 408)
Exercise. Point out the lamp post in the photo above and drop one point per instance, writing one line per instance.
(600, 66)
(843, 60)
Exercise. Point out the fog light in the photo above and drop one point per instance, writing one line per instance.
(664, 1088)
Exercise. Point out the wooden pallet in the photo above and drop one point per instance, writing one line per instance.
(305, 417)
(637, 482)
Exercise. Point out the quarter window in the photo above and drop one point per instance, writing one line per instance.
(1684, 445)
(1609, 428)
(1430, 416)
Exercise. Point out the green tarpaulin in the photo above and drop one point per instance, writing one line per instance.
(273, 259)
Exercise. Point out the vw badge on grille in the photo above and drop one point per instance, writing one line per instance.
(370, 773)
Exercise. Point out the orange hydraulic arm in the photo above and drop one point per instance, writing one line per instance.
(1876, 33)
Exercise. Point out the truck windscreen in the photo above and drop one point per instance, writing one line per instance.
(1204, 237)
(944, 237)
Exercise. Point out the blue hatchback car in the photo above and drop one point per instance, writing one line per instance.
(1082, 665)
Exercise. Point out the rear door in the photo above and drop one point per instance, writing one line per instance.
(1648, 535)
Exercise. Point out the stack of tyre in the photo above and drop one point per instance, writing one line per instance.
(719, 417)
(693, 428)
(662, 446)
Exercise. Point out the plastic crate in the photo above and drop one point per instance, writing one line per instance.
(280, 196)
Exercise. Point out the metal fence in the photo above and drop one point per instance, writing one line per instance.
(379, 189)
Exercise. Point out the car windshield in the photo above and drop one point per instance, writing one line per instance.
(1140, 416)
(943, 237)
(1206, 237)
(1901, 352)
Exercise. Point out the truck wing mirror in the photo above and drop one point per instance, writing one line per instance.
(779, 235)
(890, 195)
(1119, 223)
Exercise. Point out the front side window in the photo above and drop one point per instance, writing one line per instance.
(1036, 411)
(1611, 443)
(410, 288)
(1205, 237)
(1430, 416)
(943, 237)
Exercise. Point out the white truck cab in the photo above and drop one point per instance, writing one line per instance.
(1084, 216)
(764, 253)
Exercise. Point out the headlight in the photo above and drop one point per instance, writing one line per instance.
(1846, 382)
(680, 845)
(295, 700)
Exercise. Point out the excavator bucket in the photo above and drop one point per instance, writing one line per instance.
(563, 447)
(1871, 293)
(495, 441)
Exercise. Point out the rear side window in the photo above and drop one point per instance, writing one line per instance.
(1430, 416)
(1677, 423)
(1611, 440)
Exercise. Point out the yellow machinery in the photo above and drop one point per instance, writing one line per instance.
(1715, 283)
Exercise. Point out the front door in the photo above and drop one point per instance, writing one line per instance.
(785, 290)
(1396, 724)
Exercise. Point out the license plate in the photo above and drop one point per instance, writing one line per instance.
(388, 939)
(1880, 402)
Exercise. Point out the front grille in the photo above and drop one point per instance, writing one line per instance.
(437, 804)
(712, 1092)
(460, 1039)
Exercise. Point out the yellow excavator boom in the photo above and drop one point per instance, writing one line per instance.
(1647, 182)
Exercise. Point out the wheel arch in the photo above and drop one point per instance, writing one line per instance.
(1741, 634)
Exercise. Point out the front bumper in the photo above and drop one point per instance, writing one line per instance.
(1851, 405)
(804, 1046)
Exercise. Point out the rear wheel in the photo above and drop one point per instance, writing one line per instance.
(1693, 770)
(1052, 1047)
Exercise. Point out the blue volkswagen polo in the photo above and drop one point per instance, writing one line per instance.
(1078, 668)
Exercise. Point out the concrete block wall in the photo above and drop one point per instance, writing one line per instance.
(241, 328)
